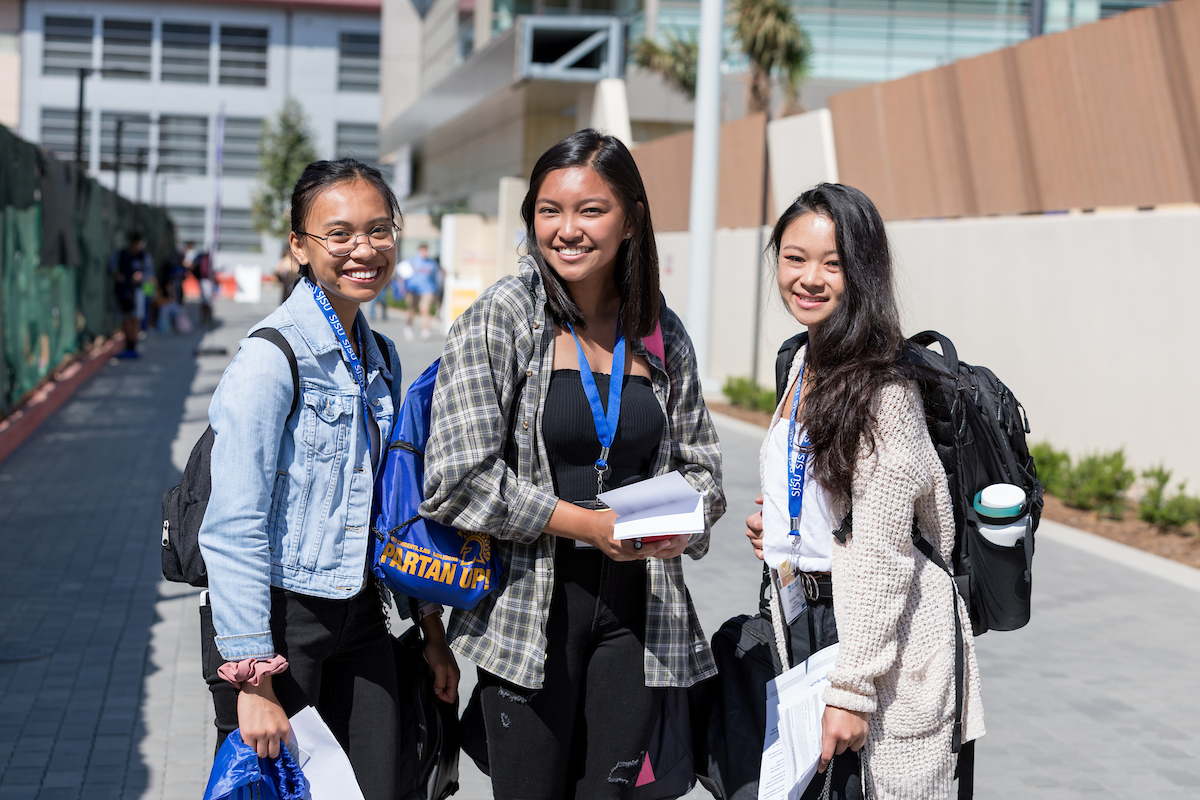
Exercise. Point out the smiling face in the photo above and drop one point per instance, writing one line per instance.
(353, 207)
(580, 224)
(810, 273)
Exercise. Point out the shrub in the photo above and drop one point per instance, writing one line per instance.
(1053, 466)
(1098, 483)
(1156, 508)
(746, 393)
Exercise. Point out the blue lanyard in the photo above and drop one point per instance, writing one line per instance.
(360, 374)
(798, 465)
(606, 423)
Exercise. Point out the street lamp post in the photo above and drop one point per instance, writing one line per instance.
(117, 156)
(706, 153)
(83, 73)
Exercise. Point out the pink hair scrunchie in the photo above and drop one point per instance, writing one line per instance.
(251, 670)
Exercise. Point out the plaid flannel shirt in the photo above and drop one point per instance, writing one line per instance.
(486, 469)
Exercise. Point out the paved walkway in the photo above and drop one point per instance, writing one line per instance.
(100, 687)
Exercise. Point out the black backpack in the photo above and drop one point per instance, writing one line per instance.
(183, 505)
(429, 735)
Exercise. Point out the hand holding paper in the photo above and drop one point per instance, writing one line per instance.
(666, 505)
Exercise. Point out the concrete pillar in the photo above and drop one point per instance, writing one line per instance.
(610, 110)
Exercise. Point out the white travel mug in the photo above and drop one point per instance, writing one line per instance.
(1003, 518)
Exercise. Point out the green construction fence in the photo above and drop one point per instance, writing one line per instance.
(59, 229)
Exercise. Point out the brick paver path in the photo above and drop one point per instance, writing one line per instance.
(100, 687)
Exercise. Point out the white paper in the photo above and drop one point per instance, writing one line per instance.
(666, 505)
(321, 759)
(792, 746)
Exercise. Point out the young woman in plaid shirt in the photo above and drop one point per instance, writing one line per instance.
(576, 645)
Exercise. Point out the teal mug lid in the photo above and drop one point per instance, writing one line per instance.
(1000, 501)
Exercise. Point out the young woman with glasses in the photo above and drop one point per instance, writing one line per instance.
(553, 386)
(298, 616)
(850, 435)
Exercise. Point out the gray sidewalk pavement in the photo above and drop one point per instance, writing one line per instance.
(100, 687)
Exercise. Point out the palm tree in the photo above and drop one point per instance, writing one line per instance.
(675, 61)
(775, 44)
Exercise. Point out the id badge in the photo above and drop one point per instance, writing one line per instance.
(790, 591)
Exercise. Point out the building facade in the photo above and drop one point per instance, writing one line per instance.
(184, 81)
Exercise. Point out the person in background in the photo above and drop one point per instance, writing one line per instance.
(422, 287)
(849, 435)
(287, 274)
(128, 267)
(202, 268)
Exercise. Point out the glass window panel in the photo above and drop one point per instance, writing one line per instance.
(243, 56)
(135, 136)
(58, 132)
(358, 62)
(361, 141)
(66, 45)
(183, 145)
(185, 52)
(126, 51)
(189, 223)
(240, 156)
(237, 232)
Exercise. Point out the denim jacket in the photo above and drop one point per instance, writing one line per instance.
(291, 497)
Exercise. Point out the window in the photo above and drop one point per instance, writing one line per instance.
(237, 232)
(358, 62)
(58, 133)
(183, 145)
(242, 135)
(66, 45)
(243, 56)
(126, 52)
(189, 223)
(358, 140)
(135, 136)
(185, 52)
(361, 141)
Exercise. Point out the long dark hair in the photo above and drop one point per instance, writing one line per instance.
(858, 348)
(637, 257)
(320, 175)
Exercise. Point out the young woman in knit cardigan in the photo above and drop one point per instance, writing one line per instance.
(851, 431)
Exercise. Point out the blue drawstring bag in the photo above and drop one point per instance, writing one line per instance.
(415, 556)
(239, 774)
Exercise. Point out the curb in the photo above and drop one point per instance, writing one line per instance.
(21, 424)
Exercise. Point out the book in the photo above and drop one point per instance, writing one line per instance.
(666, 505)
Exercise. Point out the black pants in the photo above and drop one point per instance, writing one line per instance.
(815, 630)
(583, 733)
(339, 661)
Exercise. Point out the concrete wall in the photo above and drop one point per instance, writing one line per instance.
(10, 63)
(1090, 319)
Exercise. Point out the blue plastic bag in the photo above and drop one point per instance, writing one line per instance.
(239, 774)
(414, 556)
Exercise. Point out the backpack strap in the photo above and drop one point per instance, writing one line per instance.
(387, 355)
(783, 362)
(276, 338)
(924, 545)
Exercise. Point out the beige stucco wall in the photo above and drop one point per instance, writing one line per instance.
(1090, 319)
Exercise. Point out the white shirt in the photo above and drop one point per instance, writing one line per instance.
(812, 550)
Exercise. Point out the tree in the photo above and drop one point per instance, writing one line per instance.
(775, 44)
(675, 62)
(285, 149)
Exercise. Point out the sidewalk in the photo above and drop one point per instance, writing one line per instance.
(100, 687)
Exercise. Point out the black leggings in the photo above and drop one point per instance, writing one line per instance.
(583, 733)
(340, 661)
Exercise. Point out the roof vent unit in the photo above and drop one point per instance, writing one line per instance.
(569, 48)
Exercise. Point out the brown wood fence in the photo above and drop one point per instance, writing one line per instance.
(666, 168)
(1107, 114)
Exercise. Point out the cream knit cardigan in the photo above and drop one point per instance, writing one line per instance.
(893, 607)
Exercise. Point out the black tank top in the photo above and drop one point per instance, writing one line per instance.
(573, 446)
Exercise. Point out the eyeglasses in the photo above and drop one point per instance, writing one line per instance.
(342, 243)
